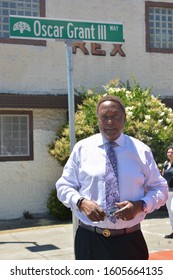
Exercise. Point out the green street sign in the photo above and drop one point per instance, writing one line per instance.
(45, 28)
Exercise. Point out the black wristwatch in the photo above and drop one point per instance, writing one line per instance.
(78, 204)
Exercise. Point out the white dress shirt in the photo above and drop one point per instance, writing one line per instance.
(139, 178)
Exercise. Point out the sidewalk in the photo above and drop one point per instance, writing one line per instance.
(36, 239)
(49, 239)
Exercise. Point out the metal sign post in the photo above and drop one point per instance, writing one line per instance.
(71, 106)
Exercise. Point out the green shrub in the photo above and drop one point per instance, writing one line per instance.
(148, 119)
(56, 208)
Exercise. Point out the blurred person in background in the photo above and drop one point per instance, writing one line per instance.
(167, 173)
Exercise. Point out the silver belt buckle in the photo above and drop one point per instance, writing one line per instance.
(106, 232)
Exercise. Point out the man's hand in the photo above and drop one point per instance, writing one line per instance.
(129, 209)
(92, 210)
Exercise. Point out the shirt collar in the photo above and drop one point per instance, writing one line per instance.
(119, 141)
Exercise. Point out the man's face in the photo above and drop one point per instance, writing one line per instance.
(111, 119)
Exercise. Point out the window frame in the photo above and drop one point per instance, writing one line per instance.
(30, 127)
(28, 41)
(149, 4)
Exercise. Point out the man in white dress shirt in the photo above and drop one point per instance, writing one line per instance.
(81, 187)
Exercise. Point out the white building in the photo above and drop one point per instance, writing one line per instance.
(33, 84)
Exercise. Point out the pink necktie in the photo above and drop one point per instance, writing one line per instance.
(111, 179)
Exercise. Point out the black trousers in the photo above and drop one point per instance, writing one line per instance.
(94, 246)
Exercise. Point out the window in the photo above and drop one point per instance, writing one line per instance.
(16, 135)
(35, 8)
(159, 27)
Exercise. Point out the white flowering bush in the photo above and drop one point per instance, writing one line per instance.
(148, 119)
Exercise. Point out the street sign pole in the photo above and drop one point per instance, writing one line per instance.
(71, 106)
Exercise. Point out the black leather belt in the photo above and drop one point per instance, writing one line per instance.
(110, 232)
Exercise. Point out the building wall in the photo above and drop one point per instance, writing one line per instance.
(25, 185)
(33, 69)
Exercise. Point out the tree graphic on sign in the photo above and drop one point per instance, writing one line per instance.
(21, 26)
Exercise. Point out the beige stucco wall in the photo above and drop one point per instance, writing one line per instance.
(26, 69)
(25, 185)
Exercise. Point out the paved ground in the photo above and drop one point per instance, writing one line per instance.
(49, 239)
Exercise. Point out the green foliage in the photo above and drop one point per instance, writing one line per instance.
(56, 208)
(148, 119)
